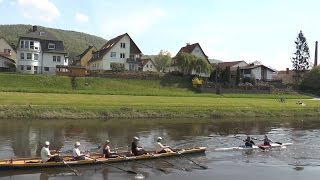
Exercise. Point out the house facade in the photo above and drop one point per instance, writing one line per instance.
(83, 58)
(148, 65)
(194, 49)
(120, 50)
(39, 52)
(6, 64)
(257, 72)
(6, 50)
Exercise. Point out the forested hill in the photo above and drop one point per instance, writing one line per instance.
(74, 42)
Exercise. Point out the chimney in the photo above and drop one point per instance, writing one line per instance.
(287, 71)
(34, 28)
(188, 44)
(316, 55)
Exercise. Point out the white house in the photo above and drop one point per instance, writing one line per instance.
(6, 50)
(148, 65)
(257, 72)
(196, 50)
(120, 50)
(39, 52)
(232, 64)
(6, 64)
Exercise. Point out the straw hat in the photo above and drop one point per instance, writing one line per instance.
(47, 143)
(159, 139)
(107, 141)
(77, 143)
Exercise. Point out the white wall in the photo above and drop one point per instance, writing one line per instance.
(107, 59)
(198, 52)
(47, 61)
(241, 64)
(149, 67)
(269, 74)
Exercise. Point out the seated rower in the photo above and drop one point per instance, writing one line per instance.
(46, 155)
(135, 149)
(248, 142)
(266, 141)
(160, 148)
(77, 154)
(107, 153)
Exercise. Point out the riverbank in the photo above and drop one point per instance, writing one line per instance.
(14, 105)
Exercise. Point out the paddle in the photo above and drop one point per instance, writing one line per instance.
(75, 171)
(177, 152)
(251, 138)
(128, 171)
(278, 143)
(183, 169)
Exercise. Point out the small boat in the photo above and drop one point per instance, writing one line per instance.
(272, 145)
(24, 163)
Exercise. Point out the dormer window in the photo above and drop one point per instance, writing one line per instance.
(41, 33)
(51, 46)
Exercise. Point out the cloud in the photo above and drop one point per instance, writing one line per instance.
(135, 22)
(45, 10)
(81, 18)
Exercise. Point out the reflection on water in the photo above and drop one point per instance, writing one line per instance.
(24, 139)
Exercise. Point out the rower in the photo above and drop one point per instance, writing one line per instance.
(248, 142)
(107, 152)
(46, 155)
(266, 141)
(135, 149)
(160, 148)
(77, 154)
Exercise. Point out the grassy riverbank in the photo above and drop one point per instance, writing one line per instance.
(15, 105)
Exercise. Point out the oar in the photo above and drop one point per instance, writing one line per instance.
(75, 171)
(251, 138)
(128, 171)
(278, 143)
(177, 152)
(147, 165)
(183, 169)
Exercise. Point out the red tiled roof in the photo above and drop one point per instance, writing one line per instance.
(190, 47)
(109, 45)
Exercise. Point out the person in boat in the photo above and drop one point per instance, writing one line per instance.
(77, 155)
(46, 155)
(160, 148)
(266, 141)
(135, 149)
(248, 142)
(107, 153)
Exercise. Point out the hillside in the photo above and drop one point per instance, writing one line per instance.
(75, 42)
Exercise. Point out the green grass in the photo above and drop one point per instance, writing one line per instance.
(173, 86)
(44, 105)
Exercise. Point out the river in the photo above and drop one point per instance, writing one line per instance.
(20, 138)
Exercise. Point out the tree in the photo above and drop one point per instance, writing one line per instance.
(238, 76)
(311, 81)
(301, 55)
(188, 62)
(226, 75)
(162, 60)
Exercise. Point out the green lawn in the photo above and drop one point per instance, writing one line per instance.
(49, 105)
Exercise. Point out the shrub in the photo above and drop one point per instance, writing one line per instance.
(117, 67)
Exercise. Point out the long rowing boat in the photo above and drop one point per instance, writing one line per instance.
(272, 145)
(24, 163)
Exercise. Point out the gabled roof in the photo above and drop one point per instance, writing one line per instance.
(223, 65)
(190, 47)
(110, 44)
(8, 59)
(85, 52)
(255, 66)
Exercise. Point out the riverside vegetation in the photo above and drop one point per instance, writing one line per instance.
(52, 97)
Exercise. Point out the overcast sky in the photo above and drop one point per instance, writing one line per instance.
(228, 30)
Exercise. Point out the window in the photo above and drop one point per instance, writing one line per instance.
(46, 68)
(113, 54)
(8, 51)
(21, 55)
(65, 60)
(26, 44)
(29, 56)
(54, 58)
(147, 65)
(122, 55)
(51, 46)
(247, 71)
(21, 44)
(21, 68)
(41, 33)
(35, 69)
(31, 44)
(123, 45)
(36, 56)
(150, 66)
(29, 68)
(58, 58)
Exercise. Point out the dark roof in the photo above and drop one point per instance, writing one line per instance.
(84, 52)
(7, 58)
(40, 34)
(255, 66)
(190, 47)
(223, 65)
(109, 45)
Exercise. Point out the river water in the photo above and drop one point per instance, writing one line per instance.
(299, 161)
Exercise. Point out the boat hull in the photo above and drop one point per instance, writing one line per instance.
(27, 163)
(273, 145)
